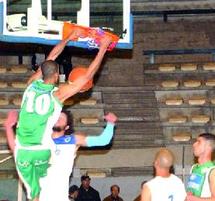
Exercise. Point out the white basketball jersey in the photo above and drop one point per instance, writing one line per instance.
(166, 189)
(55, 185)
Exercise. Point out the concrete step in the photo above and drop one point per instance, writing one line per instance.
(137, 137)
(135, 171)
(145, 104)
(136, 144)
(137, 131)
(129, 97)
(136, 114)
(138, 125)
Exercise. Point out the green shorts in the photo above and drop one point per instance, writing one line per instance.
(31, 166)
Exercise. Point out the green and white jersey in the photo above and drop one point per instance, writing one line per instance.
(39, 112)
(198, 182)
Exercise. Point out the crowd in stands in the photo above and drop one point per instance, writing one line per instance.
(87, 193)
(165, 185)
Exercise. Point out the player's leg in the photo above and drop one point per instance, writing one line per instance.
(31, 166)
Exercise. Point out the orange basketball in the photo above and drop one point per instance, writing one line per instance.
(77, 72)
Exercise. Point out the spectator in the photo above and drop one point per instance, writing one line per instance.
(86, 192)
(73, 192)
(114, 196)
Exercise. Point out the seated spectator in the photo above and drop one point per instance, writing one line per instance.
(73, 192)
(114, 196)
(86, 192)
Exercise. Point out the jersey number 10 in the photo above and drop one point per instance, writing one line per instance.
(39, 104)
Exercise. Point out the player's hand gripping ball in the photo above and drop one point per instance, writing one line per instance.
(76, 73)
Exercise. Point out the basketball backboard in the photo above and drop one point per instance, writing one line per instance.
(41, 21)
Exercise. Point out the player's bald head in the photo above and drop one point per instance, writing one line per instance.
(164, 158)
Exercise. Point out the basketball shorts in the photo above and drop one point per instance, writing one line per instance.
(31, 166)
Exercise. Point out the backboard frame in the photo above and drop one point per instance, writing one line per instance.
(31, 33)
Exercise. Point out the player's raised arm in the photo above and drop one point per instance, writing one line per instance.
(67, 90)
(56, 51)
(100, 140)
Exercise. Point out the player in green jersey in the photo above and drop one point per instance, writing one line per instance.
(201, 183)
(55, 186)
(40, 109)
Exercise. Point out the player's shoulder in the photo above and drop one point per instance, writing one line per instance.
(177, 182)
(66, 139)
(37, 81)
(152, 182)
(212, 172)
(175, 177)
